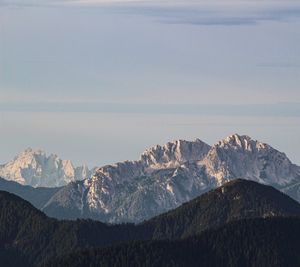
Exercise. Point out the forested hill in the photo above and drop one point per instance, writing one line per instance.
(28, 237)
(235, 200)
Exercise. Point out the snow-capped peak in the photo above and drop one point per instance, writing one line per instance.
(34, 167)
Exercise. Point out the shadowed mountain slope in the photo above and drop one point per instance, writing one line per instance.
(28, 237)
(249, 243)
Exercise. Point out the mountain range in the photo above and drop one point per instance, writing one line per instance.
(223, 225)
(165, 177)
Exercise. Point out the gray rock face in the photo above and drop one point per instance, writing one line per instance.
(37, 169)
(167, 176)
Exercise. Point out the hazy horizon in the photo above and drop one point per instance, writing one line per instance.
(98, 82)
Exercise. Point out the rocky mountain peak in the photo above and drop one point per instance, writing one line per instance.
(30, 150)
(30, 154)
(34, 167)
(171, 155)
(241, 142)
(240, 156)
(174, 153)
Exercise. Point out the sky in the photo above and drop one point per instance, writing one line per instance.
(98, 82)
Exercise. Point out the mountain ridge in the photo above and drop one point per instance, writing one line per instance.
(167, 176)
(235, 200)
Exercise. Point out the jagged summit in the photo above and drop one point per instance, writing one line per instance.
(241, 156)
(30, 154)
(174, 153)
(171, 155)
(31, 150)
(243, 142)
(34, 167)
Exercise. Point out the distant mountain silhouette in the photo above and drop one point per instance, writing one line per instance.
(38, 197)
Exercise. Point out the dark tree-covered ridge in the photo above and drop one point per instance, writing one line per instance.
(28, 237)
(249, 243)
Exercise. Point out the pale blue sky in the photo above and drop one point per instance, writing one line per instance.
(100, 81)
